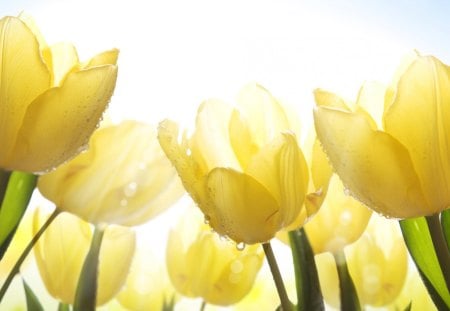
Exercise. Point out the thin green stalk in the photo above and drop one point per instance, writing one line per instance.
(4, 178)
(25, 253)
(86, 294)
(440, 246)
(348, 295)
(284, 299)
(203, 306)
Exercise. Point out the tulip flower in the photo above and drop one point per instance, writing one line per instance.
(340, 221)
(242, 166)
(124, 178)
(147, 286)
(61, 251)
(377, 263)
(397, 164)
(50, 103)
(201, 264)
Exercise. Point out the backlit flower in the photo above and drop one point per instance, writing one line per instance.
(124, 178)
(398, 162)
(242, 166)
(50, 103)
(61, 250)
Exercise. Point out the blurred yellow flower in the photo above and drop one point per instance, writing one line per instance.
(243, 166)
(340, 221)
(400, 169)
(50, 103)
(201, 264)
(61, 250)
(377, 263)
(148, 286)
(124, 178)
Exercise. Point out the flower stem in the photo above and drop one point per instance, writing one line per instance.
(284, 299)
(203, 306)
(348, 295)
(25, 253)
(440, 246)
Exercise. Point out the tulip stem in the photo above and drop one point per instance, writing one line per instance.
(25, 253)
(203, 306)
(284, 299)
(348, 295)
(440, 246)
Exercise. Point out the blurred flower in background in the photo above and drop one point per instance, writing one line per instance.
(62, 249)
(124, 178)
(50, 103)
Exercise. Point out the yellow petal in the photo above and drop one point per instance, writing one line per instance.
(340, 221)
(419, 118)
(371, 98)
(330, 100)
(58, 123)
(188, 168)
(241, 139)
(281, 167)
(23, 77)
(210, 144)
(105, 58)
(116, 254)
(375, 167)
(244, 210)
(265, 116)
(64, 58)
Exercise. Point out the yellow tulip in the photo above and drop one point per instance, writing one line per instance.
(49, 102)
(124, 178)
(61, 250)
(401, 169)
(377, 263)
(340, 221)
(200, 264)
(243, 166)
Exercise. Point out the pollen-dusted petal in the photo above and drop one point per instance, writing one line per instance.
(58, 123)
(281, 167)
(244, 209)
(374, 166)
(263, 113)
(210, 141)
(116, 254)
(64, 57)
(23, 76)
(419, 118)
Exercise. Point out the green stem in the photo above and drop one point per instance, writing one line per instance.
(284, 299)
(440, 246)
(203, 306)
(348, 295)
(86, 294)
(4, 178)
(25, 253)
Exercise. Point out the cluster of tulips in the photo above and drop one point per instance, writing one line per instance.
(360, 199)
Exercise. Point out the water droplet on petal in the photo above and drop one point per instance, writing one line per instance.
(130, 189)
(240, 246)
(237, 266)
(347, 192)
(207, 219)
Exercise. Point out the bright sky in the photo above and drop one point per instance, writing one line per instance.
(177, 53)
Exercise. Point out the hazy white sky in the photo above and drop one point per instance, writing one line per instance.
(174, 54)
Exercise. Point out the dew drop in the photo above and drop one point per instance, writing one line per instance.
(223, 238)
(237, 266)
(130, 189)
(347, 192)
(207, 219)
(346, 218)
(240, 246)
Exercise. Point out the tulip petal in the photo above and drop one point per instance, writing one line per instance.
(281, 167)
(375, 167)
(211, 142)
(23, 76)
(244, 209)
(241, 139)
(76, 107)
(105, 58)
(419, 118)
(64, 58)
(263, 114)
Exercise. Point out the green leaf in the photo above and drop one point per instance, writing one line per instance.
(169, 305)
(309, 294)
(348, 294)
(33, 303)
(418, 240)
(445, 222)
(15, 201)
(63, 307)
(408, 307)
(86, 294)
